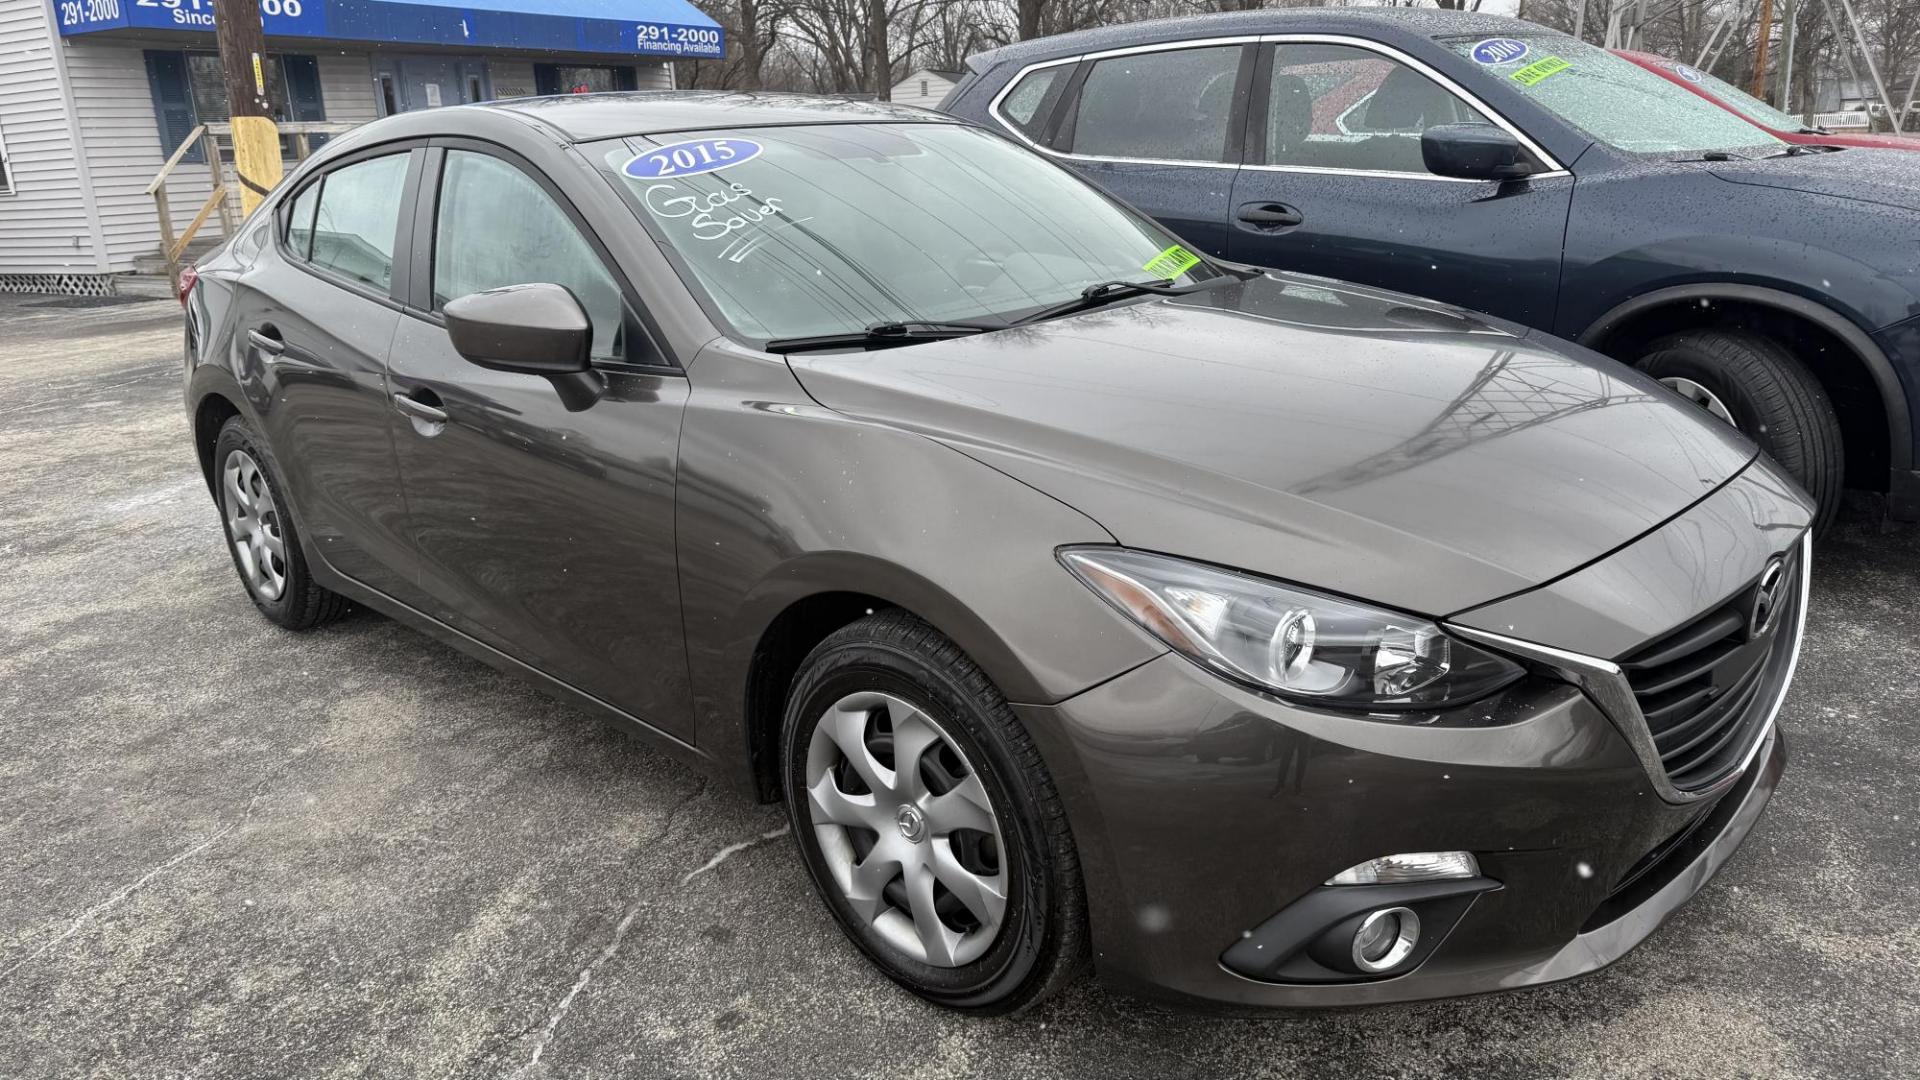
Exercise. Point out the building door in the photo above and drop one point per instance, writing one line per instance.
(407, 83)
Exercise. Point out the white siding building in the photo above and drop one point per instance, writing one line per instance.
(95, 94)
(924, 88)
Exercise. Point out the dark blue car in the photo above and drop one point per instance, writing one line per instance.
(1514, 170)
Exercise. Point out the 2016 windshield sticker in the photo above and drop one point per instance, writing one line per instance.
(690, 158)
(1540, 69)
(1171, 263)
(1500, 50)
(1686, 72)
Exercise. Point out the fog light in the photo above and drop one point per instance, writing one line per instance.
(1385, 938)
(1411, 866)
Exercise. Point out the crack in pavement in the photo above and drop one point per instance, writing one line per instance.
(110, 902)
(620, 933)
(731, 850)
(559, 1011)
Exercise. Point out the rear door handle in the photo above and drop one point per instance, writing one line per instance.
(1269, 215)
(419, 410)
(267, 340)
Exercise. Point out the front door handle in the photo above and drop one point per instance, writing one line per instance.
(1269, 215)
(267, 340)
(419, 410)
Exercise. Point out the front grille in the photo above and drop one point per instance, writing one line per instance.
(1700, 688)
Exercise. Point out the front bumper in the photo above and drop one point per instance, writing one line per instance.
(1202, 810)
(1188, 838)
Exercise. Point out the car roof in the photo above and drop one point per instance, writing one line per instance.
(585, 117)
(1372, 22)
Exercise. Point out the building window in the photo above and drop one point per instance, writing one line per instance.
(581, 78)
(923, 88)
(189, 89)
(6, 166)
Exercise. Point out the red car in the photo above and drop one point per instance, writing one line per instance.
(1756, 112)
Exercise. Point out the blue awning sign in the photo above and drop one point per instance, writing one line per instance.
(670, 28)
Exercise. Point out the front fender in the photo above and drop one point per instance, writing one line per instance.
(780, 499)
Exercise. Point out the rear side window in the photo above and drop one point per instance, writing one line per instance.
(1173, 106)
(498, 227)
(1021, 107)
(359, 211)
(300, 221)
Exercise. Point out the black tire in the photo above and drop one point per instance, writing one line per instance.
(301, 604)
(1042, 943)
(1774, 400)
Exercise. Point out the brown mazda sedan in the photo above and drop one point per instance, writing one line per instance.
(1262, 639)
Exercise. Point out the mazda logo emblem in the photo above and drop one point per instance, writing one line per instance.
(1769, 597)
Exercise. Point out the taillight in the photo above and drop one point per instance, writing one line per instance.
(189, 277)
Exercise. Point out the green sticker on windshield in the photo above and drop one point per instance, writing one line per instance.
(1540, 69)
(1171, 263)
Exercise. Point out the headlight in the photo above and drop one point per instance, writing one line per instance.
(1290, 641)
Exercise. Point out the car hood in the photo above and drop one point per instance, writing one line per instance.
(1346, 438)
(1886, 177)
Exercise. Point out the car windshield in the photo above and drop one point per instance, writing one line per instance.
(1615, 101)
(832, 228)
(1736, 99)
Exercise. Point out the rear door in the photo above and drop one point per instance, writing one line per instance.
(1333, 183)
(1157, 126)
(543, 530)
(315, 314)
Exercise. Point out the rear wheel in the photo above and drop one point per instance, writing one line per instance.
(1756, 385)
(927, 821)
(261, 535)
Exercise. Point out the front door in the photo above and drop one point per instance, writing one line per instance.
(1154, 128)
(542, 530)
(1334, 184)
(407, 83)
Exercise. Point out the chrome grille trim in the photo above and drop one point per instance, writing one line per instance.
(1606, 683)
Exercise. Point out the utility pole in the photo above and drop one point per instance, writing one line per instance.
(243, 58)
(1787, 35)
(1759, 88)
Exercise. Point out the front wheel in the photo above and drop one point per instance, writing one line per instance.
(1755, 384)
(927, 821)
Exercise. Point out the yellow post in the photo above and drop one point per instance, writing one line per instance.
(256, 141)
(256, 158)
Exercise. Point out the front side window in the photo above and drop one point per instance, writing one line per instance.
(354, 224)
(498, 227)
(797, 231)
(1169, 106)
(1341, 107)
(1615, 101)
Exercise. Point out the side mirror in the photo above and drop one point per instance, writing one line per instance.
(530, 329)
(1474, 152)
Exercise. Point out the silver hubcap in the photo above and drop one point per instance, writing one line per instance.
(906, 828)
(253, 525)
(1700, 396)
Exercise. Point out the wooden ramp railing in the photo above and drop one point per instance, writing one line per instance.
(173, 244)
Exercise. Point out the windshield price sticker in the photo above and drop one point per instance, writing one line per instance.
(1500, 50)
(1540, 69)
(1171, 263)
(690, 158)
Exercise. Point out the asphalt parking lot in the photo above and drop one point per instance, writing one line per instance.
(230, 851)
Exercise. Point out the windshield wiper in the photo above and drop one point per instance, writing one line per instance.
(1106, 292)
(882, 335)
